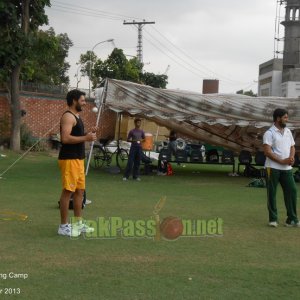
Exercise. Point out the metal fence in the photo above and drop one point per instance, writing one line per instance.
(43, 88)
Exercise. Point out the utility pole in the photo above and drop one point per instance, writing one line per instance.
(140, 26)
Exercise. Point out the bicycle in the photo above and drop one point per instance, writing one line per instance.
(102, 153)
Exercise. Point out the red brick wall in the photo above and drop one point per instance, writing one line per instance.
(43, 114)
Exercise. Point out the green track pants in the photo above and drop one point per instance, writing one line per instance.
(287, 182)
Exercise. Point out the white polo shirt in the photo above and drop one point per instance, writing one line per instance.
(281, 144)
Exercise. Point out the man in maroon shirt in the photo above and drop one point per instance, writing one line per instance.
(135, 136)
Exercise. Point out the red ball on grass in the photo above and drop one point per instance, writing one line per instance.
(171, 228)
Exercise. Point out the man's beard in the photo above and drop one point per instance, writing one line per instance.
(282, 125)
(78, 107)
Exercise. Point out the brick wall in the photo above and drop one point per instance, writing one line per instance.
(43, 113)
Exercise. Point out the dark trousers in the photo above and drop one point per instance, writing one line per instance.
(134, 161)
(287, 182)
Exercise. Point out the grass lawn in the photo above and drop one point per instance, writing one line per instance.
(249, 261)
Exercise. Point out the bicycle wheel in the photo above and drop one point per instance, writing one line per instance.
(122, 158)
(108, 158)
(98, 156)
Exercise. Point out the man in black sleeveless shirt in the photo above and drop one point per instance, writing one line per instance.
(71, 163)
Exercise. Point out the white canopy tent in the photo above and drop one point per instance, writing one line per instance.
(233, 121)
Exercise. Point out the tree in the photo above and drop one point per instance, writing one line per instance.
(117, 66)
(87, 61)
(19, 21)
(157, 81)
(247, 93)
(46, 62)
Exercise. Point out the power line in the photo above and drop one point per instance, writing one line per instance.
(93, 11)
(172, 52)
(81, 10)
(176, 61)
(184, 62)
(83, 13)
(195, 61)
(177, 48)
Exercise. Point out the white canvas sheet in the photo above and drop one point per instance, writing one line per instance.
(233, 121)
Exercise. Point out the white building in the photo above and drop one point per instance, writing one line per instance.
(270, 77)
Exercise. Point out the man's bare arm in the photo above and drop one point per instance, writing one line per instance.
(292, 154)
(67, 123)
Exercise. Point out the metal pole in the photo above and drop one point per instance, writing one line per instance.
(140, 37)
(119, 129)
(97, 122)
(109, 40)
(157, 132)
(90, 76)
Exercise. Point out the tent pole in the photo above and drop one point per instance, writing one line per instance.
(157, 131)
(119, 129)
(97, 123)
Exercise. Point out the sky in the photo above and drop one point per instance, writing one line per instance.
(190, 41)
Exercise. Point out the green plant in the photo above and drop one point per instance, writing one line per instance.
(27, 139)
(4, 130)
(41, 146)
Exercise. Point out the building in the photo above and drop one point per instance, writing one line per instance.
(270, 76)
(291, 53)
(281, 77)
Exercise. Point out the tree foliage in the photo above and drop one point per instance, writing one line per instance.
(46, 63)
(247, 93)
(117, 66)
(19, 22)
(155, 80)
(18, 32)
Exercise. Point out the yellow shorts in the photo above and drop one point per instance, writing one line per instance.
(72, 174)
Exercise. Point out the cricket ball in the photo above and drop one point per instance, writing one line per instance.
(171, 228)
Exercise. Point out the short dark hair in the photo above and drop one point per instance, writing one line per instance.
(279, 112)
(137, 120)
(74, 95)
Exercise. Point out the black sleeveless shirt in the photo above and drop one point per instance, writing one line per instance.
(73, 151)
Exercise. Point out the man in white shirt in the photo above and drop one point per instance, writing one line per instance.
(279, 148)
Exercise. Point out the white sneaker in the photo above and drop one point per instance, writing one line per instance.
(161, 174)
(273, 224)
(68, 230)
(87, 201)
(81, 227)
(137, 179)
(293, 224)
(125, 179)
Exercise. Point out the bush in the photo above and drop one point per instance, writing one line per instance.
(28, 140)
(4, 131)
(26, 137)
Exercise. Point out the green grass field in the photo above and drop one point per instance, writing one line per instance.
(249, 261)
